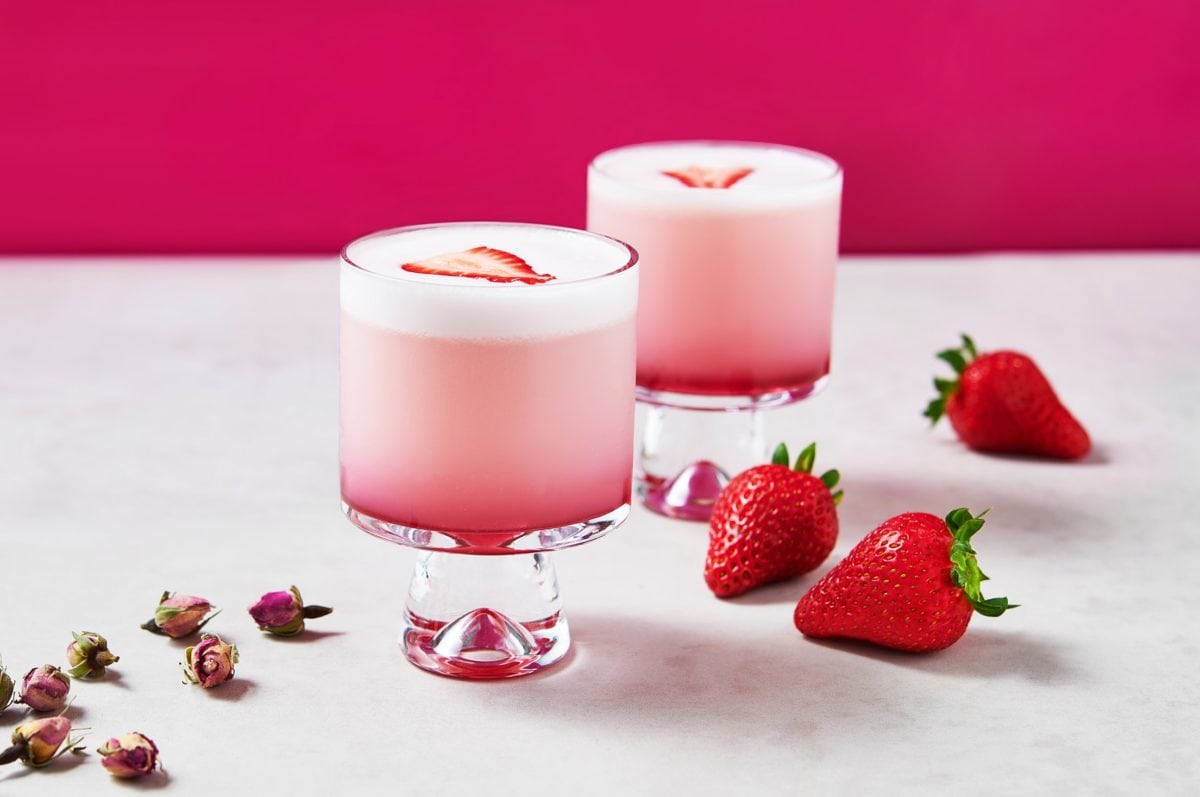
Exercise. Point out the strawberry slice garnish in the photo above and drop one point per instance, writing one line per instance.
(709, 176)
(481, 262)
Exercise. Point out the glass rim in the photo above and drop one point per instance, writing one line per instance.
(835, 173)
(345, 258)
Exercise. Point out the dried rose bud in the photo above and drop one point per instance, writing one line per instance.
(45, 688)
(89, 655)
(178, 616)
(132, 755)
(7, 687)
(283, 613)
(210, 663)
(38, 742)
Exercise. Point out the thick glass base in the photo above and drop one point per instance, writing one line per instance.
(692, 445)
(489, 542)
(484, 617)
(687, 458)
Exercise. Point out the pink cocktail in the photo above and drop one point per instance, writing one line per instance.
(497, 420)
(739, 244)
(486, 373)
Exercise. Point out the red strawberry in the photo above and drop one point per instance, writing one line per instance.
(911, 584)
(1001, 402)
(771, 523)
(482, 262)
(709, 176)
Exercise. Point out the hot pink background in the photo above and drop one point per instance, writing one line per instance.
(154, 126)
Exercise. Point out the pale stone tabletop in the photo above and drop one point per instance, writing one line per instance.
(171, 424)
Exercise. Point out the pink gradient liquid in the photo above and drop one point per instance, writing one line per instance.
(486, 439)
(736, 294)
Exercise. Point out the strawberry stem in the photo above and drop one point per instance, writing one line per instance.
(958, 359)
(965, 572)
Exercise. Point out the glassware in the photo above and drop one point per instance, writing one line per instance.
(486, 422)
(738, 244)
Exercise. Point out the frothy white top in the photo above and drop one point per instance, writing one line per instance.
(780, 176)
(377, 290)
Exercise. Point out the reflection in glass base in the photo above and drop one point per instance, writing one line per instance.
(498, 542)
(690, 495)
(484, 617)
(692, 445)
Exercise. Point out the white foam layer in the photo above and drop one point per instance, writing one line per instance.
(376, 290)
(782, 176)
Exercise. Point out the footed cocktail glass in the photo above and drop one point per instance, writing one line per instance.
(738, 244)
(486, 418)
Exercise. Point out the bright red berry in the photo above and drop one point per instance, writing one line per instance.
(771, 523)
(911, 584)
(1002, 402)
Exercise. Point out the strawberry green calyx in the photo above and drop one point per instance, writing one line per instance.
(804, 464)
(807, 458)
(780, 457)
(958, 359)
(964, 567)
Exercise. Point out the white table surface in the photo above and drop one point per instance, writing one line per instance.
(172, 424)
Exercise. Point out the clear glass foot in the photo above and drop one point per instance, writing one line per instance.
(498, 542)
(687, 457)
(484, 617)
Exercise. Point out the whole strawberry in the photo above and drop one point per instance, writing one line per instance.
(1002, 402)
(911, 584)
(771, 523)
